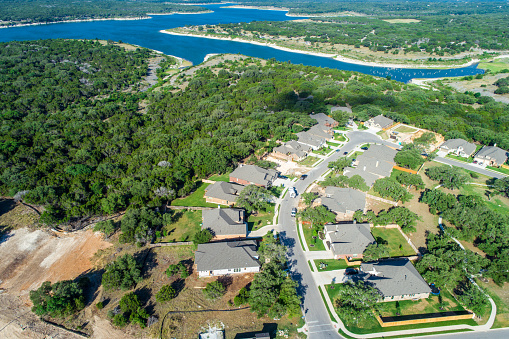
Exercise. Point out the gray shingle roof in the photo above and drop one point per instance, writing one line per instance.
(454, 144)
(226, 255)
(255, 174)
(369, 178)
(343, 109)
(344, 199)
(224, 221)
(395, 277)
(320, 131)
(349, 238)
(375, 163)
(492, 153)
(224, 190)
(323, 119)
(382, 121)
(310, 139)
(293, 147)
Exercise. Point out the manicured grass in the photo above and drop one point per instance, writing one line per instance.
(362, 127)
(397, 244)
(355, 154)
(497, 203)
(326, 305)
(255, 222)
(499, 169)
(495, 66)
(300, 238)
(310, 266)
(187, 224)
(501, 298)
(422, 306)
(195, 199)
(308, 233)
(323, 151)
(220, 177)
(405, 129)
(455, 157)
(309, 161)
(333, 144)
(333, 264)
(371, 325)
(339, 137)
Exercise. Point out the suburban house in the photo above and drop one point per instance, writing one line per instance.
(225, 223)
(324, 120)
(223, 193)
(227, 257)
(344, 201)
(459, 147)
(396, 279)
(348, 240)
(491, 155)
(375, 163)
(292, 150)
(380, 122)
(321, 131)
(253, 175)
(311, 140)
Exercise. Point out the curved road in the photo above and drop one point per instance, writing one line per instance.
(317, 318)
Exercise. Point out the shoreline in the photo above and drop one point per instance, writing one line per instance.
(326, 55)
(148, 16)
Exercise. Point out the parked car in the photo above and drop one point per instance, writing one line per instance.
(293, 192)
(345, 153)
(364, 148)
(304, 176)
(351, 271)
(294, 212)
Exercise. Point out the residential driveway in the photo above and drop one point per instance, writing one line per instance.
(325, 278)
(470, 167)
(314, 255)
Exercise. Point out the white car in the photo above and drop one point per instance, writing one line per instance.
(293, 192)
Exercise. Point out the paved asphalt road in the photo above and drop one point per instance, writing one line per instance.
(316, 315)
(470, 167)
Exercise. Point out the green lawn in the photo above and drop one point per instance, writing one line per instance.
(339, 137)
(397, 244)
(187, 224)
(276, 190)
(255, 222)
(422, 306)
(308, 236)
(499, 169)
(497, 203)
(195, 199)
(371, 325)
(323, 151)
(220, 177)
(495, 66)
(333, 264)
(455, 157)
(405, 129)
(309, 161)
(333, 144)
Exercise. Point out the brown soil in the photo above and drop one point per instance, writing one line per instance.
(428, 222)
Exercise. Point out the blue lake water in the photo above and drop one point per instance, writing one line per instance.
(146, 33)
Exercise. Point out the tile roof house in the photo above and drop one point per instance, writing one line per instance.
(375, 163)
(324, 120)
(253, 175)
(344, 200)
(223, 193)
(225, 223)
(347, 240)
(292, 150)
(459, 147)
(227, 257)
(380, 122)
(311, 140)
(396, 279)
(491, 155)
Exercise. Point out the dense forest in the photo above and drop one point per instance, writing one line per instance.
(33, 11)
(438, 35)
(74, 138)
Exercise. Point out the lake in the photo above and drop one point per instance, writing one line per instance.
(146, 33)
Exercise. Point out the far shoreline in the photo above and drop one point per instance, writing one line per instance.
(326, 55)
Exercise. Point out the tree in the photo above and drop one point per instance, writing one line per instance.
(473, 299)
(449, 177)
(438, 201)
(242, 298)
(341, 117)
(389, 188)
(139, 225)
(166, 293)
(340, 164)
(318, 216)
(425, 140)
(409, 179)
(308, 197)
(132, 310)
(409, 157)
(357, 302)
(58, 300)
(123, 273)
(202, 237)
(271, 250)
(177, 268)
(214, 290)
(373, 252)
(399, 215)
(106, 226)
(254, 198)
(265, 288)
(501, 186)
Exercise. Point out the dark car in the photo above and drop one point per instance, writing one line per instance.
(294, 212)
(304, 176)
(351, 271)
(345, 153)
(364, 148)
